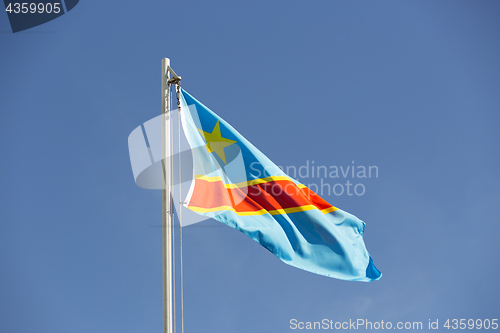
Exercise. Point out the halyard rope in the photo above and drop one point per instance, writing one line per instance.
(178, 86)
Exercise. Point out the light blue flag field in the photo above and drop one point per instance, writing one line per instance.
(236, 184)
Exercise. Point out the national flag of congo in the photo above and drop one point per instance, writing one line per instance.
(239, 186)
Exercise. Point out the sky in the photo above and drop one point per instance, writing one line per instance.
(411, 87)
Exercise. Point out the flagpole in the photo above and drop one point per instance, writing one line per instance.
(167, 224)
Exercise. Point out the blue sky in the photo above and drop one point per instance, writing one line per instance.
(410, 87)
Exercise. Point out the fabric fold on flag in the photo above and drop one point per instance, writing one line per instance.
(238, 185)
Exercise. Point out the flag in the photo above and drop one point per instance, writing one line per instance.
(236, 184)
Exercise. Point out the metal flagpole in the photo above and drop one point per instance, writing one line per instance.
(168, 77)
(166, 199)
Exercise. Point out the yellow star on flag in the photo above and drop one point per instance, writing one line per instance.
(215, 142)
